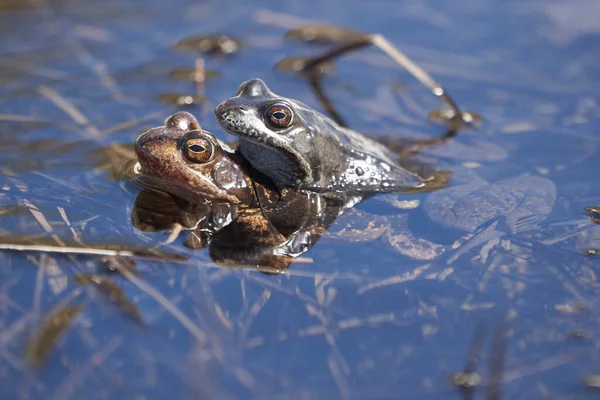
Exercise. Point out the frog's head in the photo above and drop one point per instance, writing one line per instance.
(184, 160)
(274, 135)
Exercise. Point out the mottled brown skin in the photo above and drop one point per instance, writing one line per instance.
(164, 165)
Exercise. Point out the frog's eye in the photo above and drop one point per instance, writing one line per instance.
(279, 116)
(182, 120)
(199, 150)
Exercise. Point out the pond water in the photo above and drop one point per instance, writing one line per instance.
(81, 79)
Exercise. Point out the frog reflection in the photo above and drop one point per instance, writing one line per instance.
(234, 237)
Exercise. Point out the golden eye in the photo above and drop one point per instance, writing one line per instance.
(198, 149)
(183, 121)
(279, 116)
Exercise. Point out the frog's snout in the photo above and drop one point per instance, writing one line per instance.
(142, 141)
(147, 142)
(220, 110)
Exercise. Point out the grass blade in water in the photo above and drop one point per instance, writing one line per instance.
(50, 331)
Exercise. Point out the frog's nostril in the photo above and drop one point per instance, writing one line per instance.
(141, 141)
(141, 146)
(148, 139)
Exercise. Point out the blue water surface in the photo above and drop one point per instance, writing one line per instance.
(359, 320)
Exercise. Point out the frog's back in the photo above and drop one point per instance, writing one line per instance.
(343, 160)
(345, 138)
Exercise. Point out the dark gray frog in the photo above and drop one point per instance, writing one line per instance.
(297, 146)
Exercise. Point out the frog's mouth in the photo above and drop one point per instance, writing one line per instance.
(232, 118)
(276, 160)
(197, 195)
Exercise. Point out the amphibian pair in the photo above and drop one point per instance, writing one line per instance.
(264, 223)
(294, 173)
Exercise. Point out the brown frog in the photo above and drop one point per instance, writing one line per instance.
(182, 159)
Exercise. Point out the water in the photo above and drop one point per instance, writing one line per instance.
(360, 320)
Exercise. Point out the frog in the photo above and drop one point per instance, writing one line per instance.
(179, 157)
(296, 146)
